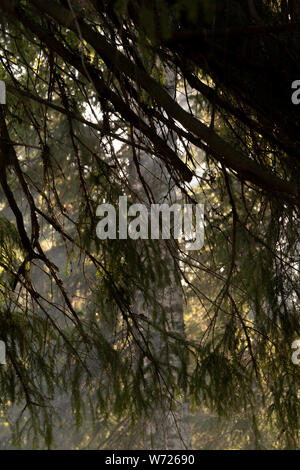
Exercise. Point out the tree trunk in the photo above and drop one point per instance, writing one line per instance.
(167, 428)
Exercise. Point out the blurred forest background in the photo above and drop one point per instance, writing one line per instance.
(141, 344)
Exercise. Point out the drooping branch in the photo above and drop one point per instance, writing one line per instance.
(163, 150)
(218, 147)
(221, 150)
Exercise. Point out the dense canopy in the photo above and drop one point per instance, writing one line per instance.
(189, 99)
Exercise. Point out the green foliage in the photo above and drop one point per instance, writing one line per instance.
(82, 320)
